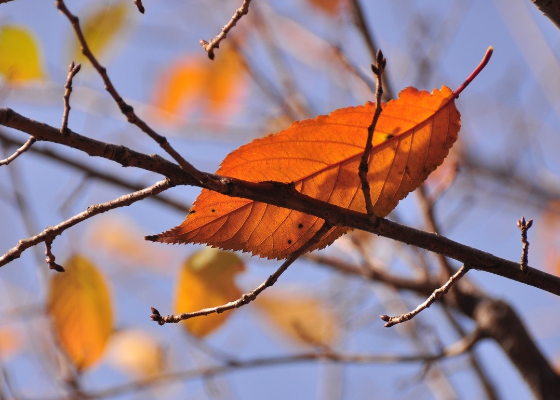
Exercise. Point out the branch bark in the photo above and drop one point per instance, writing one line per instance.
(283, 195)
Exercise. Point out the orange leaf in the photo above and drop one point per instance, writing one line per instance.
(331, 7)
(321, 157)
(80, 307)
(207, 280)
(195, 83)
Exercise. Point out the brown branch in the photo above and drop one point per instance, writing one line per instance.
(49, 234)
(363, 169)
(125, 108)
(50, 260)
(550, 9)
(24, 147)
(247, 297)
(140, 6)
(285, 196)
(524, 227)
(390, 321)
(420, 286)
(72, 71)
(215, 42)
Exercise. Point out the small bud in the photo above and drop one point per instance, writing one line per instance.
(385, 318)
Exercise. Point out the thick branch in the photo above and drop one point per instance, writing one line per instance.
(285, 196)
(550, 8)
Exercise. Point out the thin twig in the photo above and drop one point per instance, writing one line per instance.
(215, 43)
(390, 321)
(50, 233)
(247, 297)
(72, 71)
(378, 69)
(126, 109)
(365, 31)
(524, 227)
(140, 6)
(26, 146)
(50, 257)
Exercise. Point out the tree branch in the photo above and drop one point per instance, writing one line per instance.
(215, 43)
(283, 195)
(247, 297)
(50, 233)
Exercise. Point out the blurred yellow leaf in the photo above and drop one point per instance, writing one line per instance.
(207, 280)
(80, 307)
(101, 27)
(301, 318)
(20, 59)
(10, 342)
(198, 84)
(137, 353)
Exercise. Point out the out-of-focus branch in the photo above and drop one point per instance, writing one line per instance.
(453, 350)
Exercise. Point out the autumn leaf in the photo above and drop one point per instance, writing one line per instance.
(207, 280)
(195, 84)
(11, 342)
(330, 7)
(80, 307)
(101, 27)
(20, 58)
(301, 318)
(321, 157)
(136, 353)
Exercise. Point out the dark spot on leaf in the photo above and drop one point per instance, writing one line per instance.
(389, 136)
(300, 226)
(213, 210)
(192, 211)
(289, 241)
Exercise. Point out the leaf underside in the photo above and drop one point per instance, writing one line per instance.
(321, 157)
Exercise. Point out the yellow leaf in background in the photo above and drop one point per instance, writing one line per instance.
(101, 27)
(301, 318)
(137, 353)
(20, 59)
(10, 342)
(80, 307)
(198, 84)
(207, 280)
